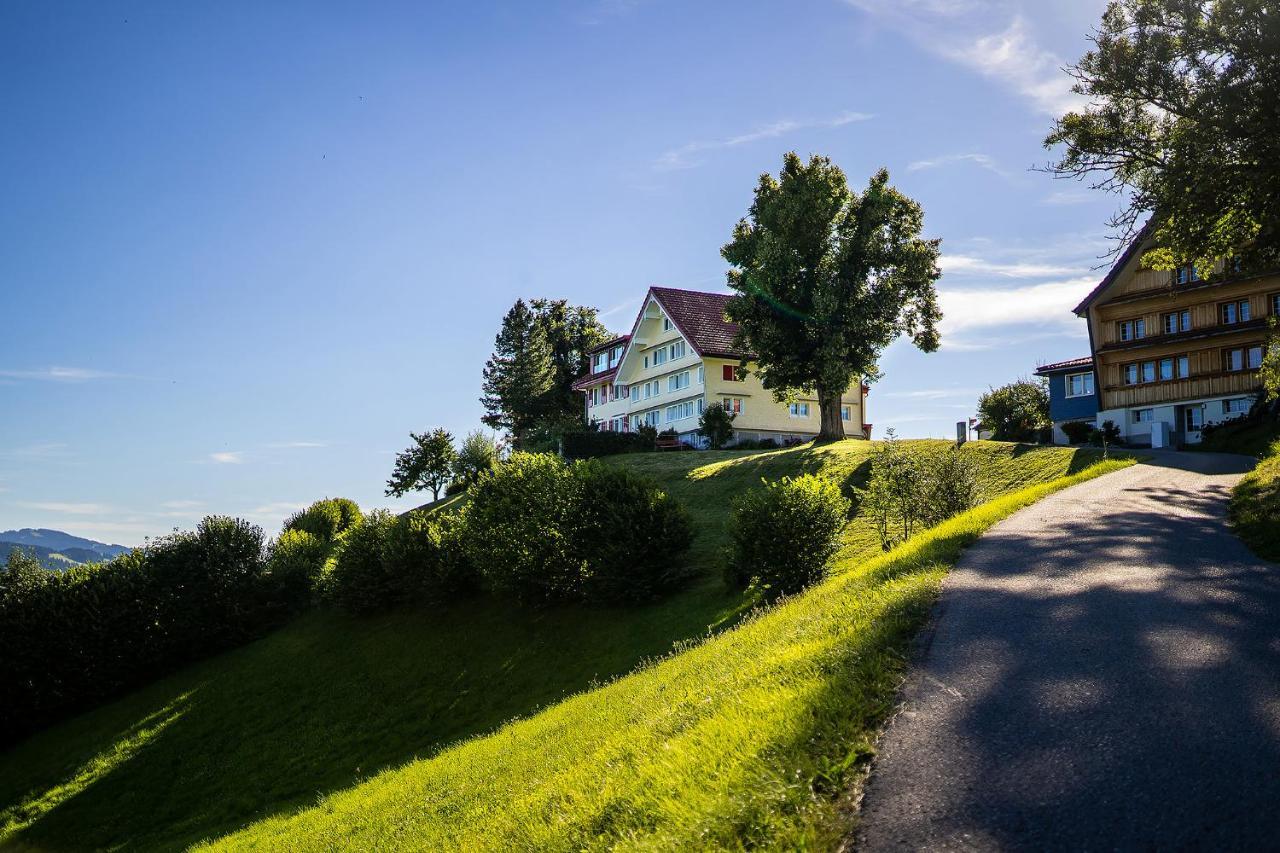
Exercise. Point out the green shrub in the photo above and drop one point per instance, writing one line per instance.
(631, 536)
(950, 485)
(589, 444)
(892, 500)
(785, 534)
(1077, 432)
(521, 523)
(363, 579)
(1106, 435)
(427, 552)
(716, 425)
(295, 563)
(74, 638)
(326, 519)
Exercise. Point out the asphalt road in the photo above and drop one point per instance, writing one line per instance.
(1102, 673)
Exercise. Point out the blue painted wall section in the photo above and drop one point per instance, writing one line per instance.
(1064, 408)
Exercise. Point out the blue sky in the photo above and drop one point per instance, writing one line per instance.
(245, 248)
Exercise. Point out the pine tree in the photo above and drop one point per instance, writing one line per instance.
(519, 374)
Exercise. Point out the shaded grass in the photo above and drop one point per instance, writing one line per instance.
(1255, 507)
(744, 740)
(1248, 438)
(329, 701)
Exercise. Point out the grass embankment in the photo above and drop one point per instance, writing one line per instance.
(708, 740)
(1255, 506)
(1251, 439)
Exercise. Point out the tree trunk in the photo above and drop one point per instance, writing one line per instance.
(832, 423)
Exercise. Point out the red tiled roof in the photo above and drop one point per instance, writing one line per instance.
(700, 318)
(1085, 361)
(609, 344)
(592, 378)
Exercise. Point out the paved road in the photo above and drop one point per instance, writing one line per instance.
(1102, 673)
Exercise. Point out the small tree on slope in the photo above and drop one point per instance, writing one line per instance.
(428, 463)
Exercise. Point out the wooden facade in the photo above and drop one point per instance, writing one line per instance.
(1162, 338)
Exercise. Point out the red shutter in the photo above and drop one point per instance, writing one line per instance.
(728, 373)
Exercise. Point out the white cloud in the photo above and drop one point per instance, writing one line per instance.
(1079, 195)
(970, 265)
(684, 156)
(1009, 55)
(228, 457)
(298, 444)
(278, 508)
(1049, 304)
(980, 160)
(67, 508)
(61, 374)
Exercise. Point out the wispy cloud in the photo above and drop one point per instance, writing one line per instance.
(227, 457)
(1079, 195)
(67, 508)
(969, 265)
(62, 374)
(39, 451)
(686, 156)
(980, 160)
(298, 444)
(1046, 306)
(1009, 55)
(277, 508)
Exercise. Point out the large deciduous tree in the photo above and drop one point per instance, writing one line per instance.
(1183, 123)
(826, 278)
(428, 463)
(540, 349)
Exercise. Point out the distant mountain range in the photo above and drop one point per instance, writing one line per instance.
(55, 549)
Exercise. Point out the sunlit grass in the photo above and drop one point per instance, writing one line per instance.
(1255, 507)
(745, 740)
(324, 704)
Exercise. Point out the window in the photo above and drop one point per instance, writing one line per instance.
(653, 418)
(659, 356)
(1183, 367)
(1166, 369)
(1144, 416)
(646, 361)
(601, 362)
(702, 375)
(846, 413)
(1080, 385)
(666, 324)
(1235, 312)
(1148, 371)
(1187, 274)
(1130, 372)
(1193, 418)
(732, 373)
(680, 411)
(1131, 330)
(677, 350)
(1242, 358)
(1238, 406)
(1275, 304)
(678, 381)
(701, 406)
(1178, 321)
(799, 410)
(732, 404)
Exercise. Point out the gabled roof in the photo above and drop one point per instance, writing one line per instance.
(1071, 364)
(1132, 249)
(701, 319)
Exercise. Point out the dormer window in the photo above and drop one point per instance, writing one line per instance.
(1186, 274)
(666, 324)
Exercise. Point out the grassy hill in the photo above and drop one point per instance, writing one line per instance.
(393, 729)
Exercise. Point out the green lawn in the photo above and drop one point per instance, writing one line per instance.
(1255, 507)
(706, 740)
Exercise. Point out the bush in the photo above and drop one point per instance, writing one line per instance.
(785, 534)
(1108, 434)
(326, 519)
(1015, 412)
(1077, 432)
(521, 525)
(362, 579)
(950, 485)
(589, 444)
(908, 489)
(295, 564)
(716, 425)
(542, 530)
(427, 552)
(74, 638)
(630, 535)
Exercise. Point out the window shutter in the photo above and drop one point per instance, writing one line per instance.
(728, 373)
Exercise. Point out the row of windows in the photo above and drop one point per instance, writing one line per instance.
(1229, 314)
(1193, 416)
(664, 353)
(1168, 369)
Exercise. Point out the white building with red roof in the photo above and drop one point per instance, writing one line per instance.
(680, 357)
